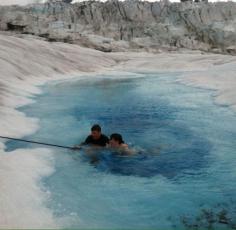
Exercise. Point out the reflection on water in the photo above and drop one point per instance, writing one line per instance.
(185, 149)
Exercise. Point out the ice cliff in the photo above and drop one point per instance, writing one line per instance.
(129, 25)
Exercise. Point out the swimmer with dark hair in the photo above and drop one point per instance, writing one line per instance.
(116, 142)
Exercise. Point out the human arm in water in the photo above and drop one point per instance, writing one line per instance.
(124, 148)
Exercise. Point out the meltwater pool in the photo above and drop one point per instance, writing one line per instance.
(183, 175)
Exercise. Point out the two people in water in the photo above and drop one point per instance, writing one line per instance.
(98, 139)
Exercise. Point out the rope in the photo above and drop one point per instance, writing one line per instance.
(40, 143)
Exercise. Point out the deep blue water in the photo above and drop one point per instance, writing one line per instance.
(185, 162)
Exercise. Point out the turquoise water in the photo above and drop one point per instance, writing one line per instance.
(184, 172)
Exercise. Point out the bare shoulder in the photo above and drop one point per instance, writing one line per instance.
(127, 150)
(124, 146)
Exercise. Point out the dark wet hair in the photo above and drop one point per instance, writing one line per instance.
(117, 137)
(96, 127)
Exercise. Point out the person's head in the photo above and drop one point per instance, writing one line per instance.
(116, 140)
(96, 131)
